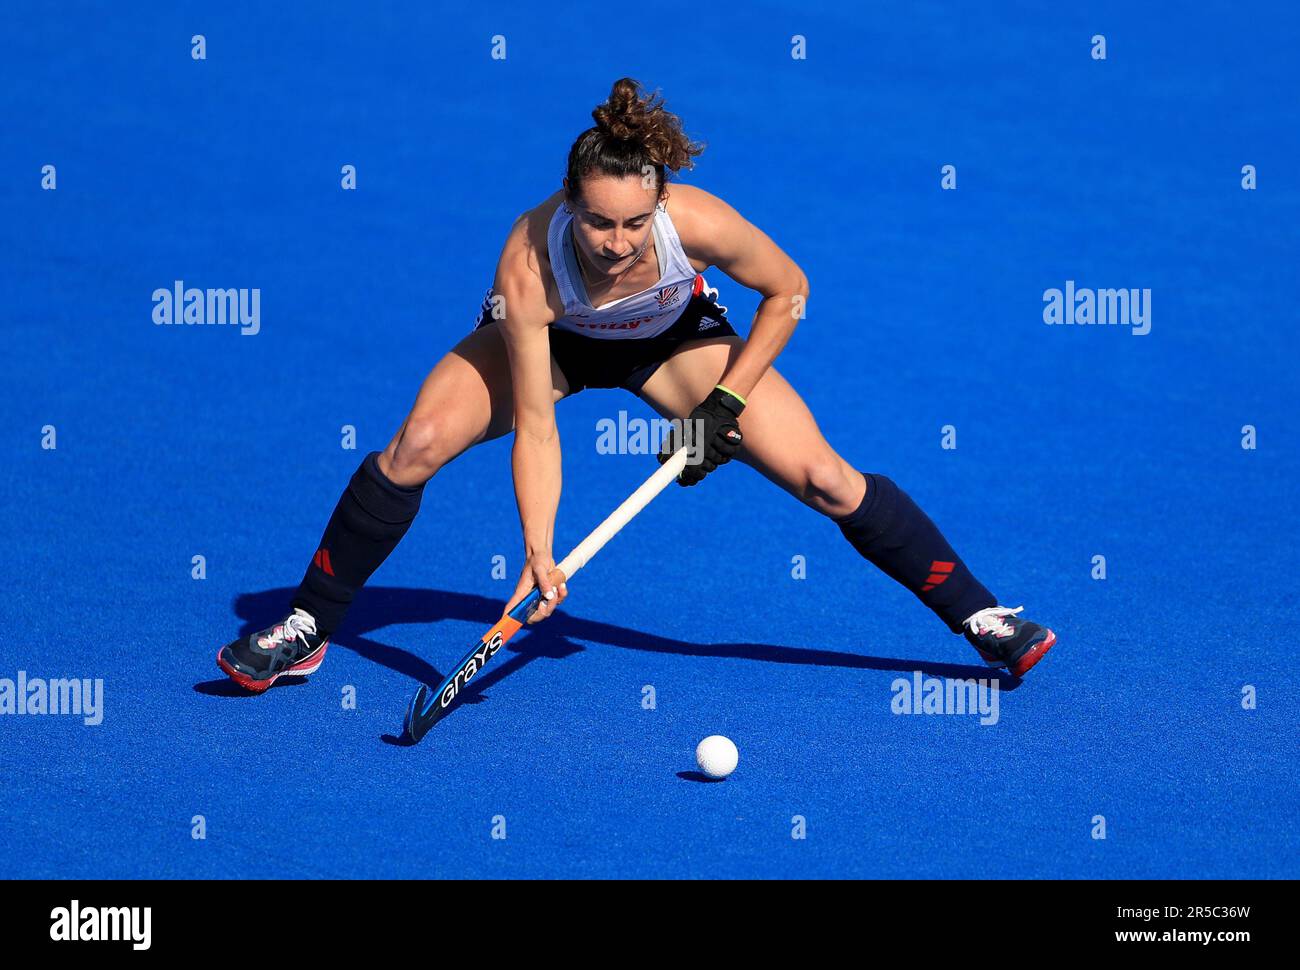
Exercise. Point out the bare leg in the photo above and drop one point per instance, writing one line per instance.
(465, 399)
(782, 440)
(880, 520)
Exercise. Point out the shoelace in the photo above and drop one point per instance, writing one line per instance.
(993, 620)
(297, 623)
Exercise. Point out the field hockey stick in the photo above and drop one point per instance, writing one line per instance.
(428, 706)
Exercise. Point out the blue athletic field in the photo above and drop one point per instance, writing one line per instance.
(1132, 485)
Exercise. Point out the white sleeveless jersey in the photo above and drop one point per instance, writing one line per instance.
(645, 314)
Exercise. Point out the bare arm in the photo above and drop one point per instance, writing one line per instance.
(535, 458)
(713, 231)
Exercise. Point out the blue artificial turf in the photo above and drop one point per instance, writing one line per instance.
(1072, 442)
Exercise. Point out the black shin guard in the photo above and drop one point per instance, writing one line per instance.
(892, 533)
(372, 516)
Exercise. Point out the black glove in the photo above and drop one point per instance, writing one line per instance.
(711, 435)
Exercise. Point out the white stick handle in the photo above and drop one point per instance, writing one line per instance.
(624, 514)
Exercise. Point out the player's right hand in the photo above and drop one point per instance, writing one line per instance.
(537, 573)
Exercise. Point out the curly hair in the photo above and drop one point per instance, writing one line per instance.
(634, 135)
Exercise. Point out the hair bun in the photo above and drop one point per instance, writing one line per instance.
(625, 113)
(629, 114)
(634, 134)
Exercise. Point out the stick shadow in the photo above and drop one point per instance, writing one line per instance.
(555, 639)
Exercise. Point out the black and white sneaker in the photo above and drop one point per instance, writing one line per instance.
(1005, 640)
(291, 647)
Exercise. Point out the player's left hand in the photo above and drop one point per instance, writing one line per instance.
(711, 435)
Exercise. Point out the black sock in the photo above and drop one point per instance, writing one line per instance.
(892, 533)
(372, 516)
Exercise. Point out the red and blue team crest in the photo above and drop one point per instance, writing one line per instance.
(667, 295)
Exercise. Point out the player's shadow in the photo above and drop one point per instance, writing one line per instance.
(554, 639)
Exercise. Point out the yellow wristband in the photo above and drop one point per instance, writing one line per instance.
(732, 393)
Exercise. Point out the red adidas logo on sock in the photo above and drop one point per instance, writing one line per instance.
(322, 561)
(939, 571)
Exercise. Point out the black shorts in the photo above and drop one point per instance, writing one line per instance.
(629, 362)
